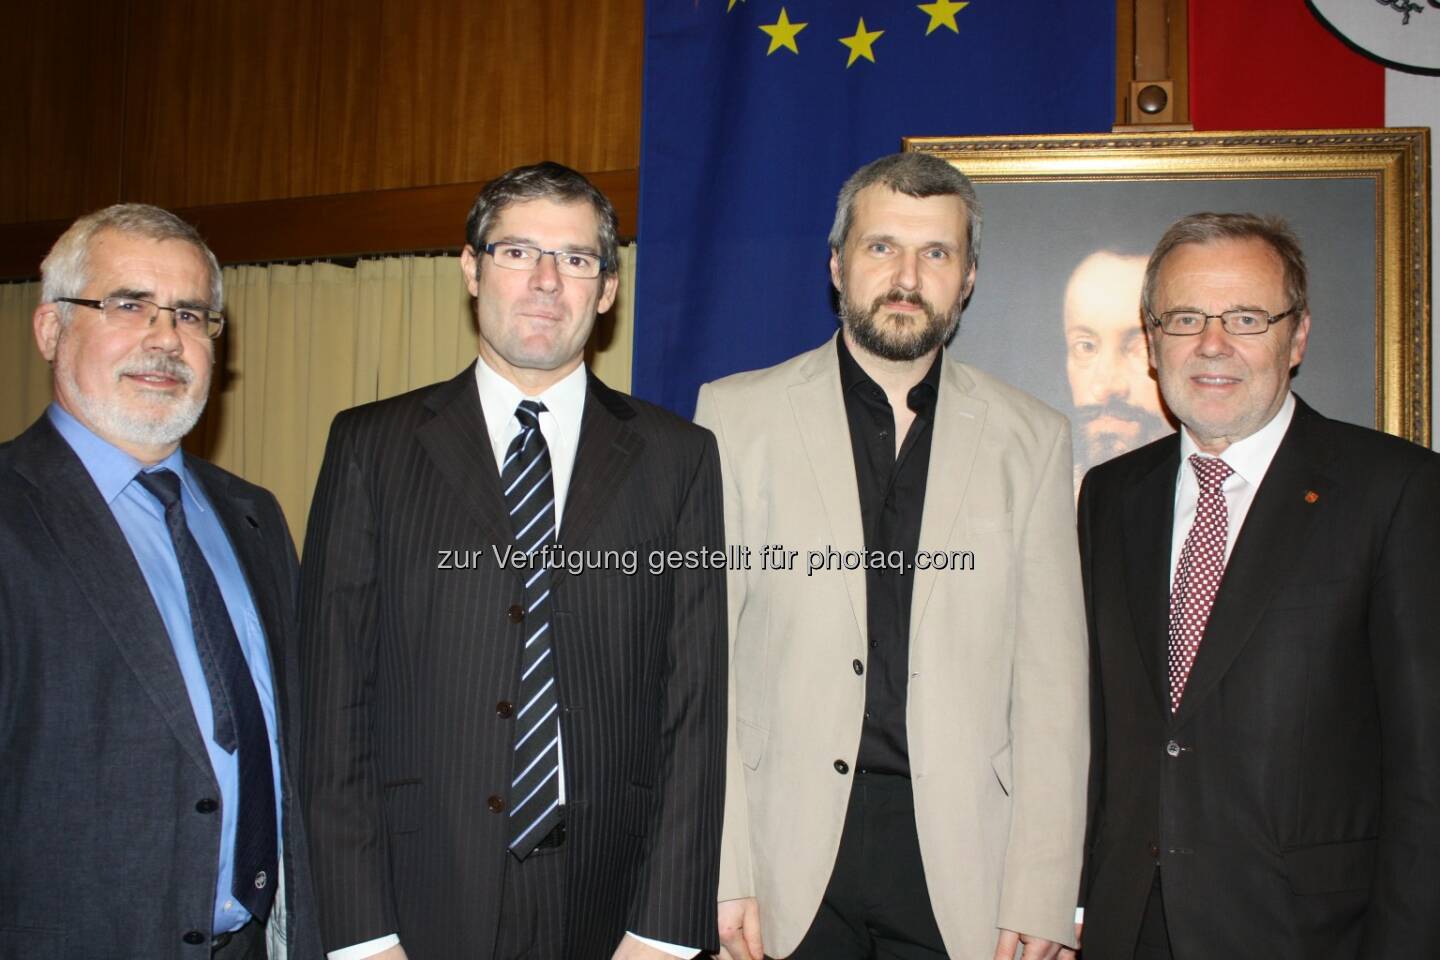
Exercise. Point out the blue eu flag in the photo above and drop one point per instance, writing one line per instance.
(756, 111)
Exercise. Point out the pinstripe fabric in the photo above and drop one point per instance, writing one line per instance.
(532, 907)
(408, 654)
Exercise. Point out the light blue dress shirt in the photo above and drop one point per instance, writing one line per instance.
(142, 520)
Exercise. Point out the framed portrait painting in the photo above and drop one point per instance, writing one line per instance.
(1069, 222)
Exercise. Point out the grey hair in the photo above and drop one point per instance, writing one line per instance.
(542, 181)
(1210, 227)
(64, 271)
(915, 175)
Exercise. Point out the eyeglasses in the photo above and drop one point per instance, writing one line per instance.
(522, 256)
(132, 313)
(1237, 323)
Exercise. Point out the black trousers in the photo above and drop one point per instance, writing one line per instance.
(876, 904)
(1154, 942)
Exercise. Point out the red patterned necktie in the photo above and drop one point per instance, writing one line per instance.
(1197, 578)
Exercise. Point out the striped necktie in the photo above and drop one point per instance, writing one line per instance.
(530, 496)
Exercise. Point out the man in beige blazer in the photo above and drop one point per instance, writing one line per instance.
(908, 686)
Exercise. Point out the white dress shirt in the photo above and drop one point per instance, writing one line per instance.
(1249, 459)
(560, 426)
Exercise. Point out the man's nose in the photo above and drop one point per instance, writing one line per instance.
(907, 271)
(164, 333)
(546, 275)
(1110, 377)
(1213, 341)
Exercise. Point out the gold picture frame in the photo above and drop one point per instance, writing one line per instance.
(1386, 170)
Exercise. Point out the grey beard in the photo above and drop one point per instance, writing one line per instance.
(171, 421)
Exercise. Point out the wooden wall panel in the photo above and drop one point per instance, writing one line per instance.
(247, 110)
(62, 77)
(233, 102)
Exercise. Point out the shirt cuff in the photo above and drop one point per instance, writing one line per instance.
(1079, 917)
(367, 949)
(661, 945)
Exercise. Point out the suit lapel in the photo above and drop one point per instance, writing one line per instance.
(108, 576)
(819, 408)
(959, 422)
(458, 443)
(1149, 520)
(608, 448)
(1271, 541)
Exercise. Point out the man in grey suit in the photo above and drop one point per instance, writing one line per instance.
(147, 604)
(514, 677)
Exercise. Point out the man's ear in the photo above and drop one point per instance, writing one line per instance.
(608, 288)
(835, 268)
(47, 324)
(468, 261)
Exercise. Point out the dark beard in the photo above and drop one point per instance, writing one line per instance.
(1099, 447)
(912, 342)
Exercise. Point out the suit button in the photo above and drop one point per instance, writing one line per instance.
(194, 937)
(516, 613)
(504, 709)
(1154, 849)
(1172, 749)
(495, 803)
(841, 766)
(857, 666)
(206, 805)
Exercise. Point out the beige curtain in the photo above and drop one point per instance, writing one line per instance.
(303, 343)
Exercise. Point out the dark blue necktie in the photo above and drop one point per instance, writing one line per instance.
(234, 703)
(530, 496)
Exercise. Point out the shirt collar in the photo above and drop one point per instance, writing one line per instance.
(499, 397)
(920, 397)
(1250, 457)
(111, 468)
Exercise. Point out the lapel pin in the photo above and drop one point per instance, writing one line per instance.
(1311, 496)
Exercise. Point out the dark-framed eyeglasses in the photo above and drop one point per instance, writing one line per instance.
(133, 313)
(1237, 323)
(523, 256)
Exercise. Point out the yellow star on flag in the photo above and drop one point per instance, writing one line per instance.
(782, 33)
(942, 14)
(730, 6)
(861, 43)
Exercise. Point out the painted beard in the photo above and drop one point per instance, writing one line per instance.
(1101, 441)
(168, 419)
(908, 338)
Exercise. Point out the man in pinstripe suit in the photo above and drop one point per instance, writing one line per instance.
(508, 758)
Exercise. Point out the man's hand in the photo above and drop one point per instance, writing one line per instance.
(739, 922)
(1036, 948)
(396, 952)
(1065, 952)
(632, 949)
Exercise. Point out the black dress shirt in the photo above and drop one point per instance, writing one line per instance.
(892, 501)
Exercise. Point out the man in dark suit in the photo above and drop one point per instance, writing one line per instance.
(147, 611)
(514, 646)
(1263, 615)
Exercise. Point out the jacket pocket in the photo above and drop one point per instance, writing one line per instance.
(752, 743)
(1001, 762)
(1330, 867)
